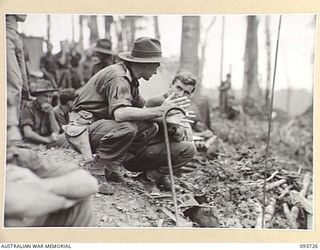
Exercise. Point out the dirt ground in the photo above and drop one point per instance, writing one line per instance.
(227, 178)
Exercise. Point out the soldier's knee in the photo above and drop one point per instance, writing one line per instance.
(129, 129)
(188, 148)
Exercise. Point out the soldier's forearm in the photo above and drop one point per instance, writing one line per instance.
(137, 114)
(55, 128)
(33, 136)
(32, 202)
(77, 184)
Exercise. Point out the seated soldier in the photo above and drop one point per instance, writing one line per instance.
(38, 122)
(62, 110)
(183, 85)
(40, 193)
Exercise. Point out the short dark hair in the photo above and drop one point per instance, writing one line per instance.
(186, 78)
(67, 95)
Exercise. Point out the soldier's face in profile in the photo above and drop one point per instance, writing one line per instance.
(150, 69)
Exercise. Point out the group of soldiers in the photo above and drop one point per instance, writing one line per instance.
(124, 131)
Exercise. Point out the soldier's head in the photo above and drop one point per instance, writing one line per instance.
(144, 58)
(183, 84)
(43, 92)
(103, 50)
(67, 96)
(64, 45)
(49, 47)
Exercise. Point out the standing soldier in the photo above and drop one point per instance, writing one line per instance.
(223, 100)
(48, 66)
(63, 66)
(103, 50)
(17, 81)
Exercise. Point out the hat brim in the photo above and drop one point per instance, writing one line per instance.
(104, 51)
(128, 57)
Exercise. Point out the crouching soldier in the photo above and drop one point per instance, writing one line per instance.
(122, 127)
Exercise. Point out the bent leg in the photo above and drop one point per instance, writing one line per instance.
(154, 157)
(110, 139)
(146, 131)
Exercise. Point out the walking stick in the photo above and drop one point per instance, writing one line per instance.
(166, 136)
(269, 124)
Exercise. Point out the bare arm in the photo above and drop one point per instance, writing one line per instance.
(137, 114)
(54, 125)
(33, 136)
(25, 201)
(78, 184)
(26, 194)
(149, 114)
(38, 196)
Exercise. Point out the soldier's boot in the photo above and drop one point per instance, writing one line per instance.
(113, 173)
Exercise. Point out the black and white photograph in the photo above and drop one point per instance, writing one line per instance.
(159, 121)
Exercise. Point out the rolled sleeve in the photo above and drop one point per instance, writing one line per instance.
(119, 94)
(26, 117)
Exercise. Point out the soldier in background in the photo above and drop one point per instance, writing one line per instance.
(48, 66)
(103, 50)
(62, 60)
(75, 58)
(223, 98)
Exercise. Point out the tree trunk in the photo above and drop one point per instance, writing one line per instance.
(118, 31)
(189, 60)
(222, 50)
(81, 32)
(251, 90)
(156, 27)
(128, 31)
(48, 28)
(108, 20)
(72, 27)
(268, 47)
(93, 26)
(203, 49)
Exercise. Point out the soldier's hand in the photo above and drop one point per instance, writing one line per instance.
(172, 101)
(46, 107)
(179, 119)
(52, 138)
